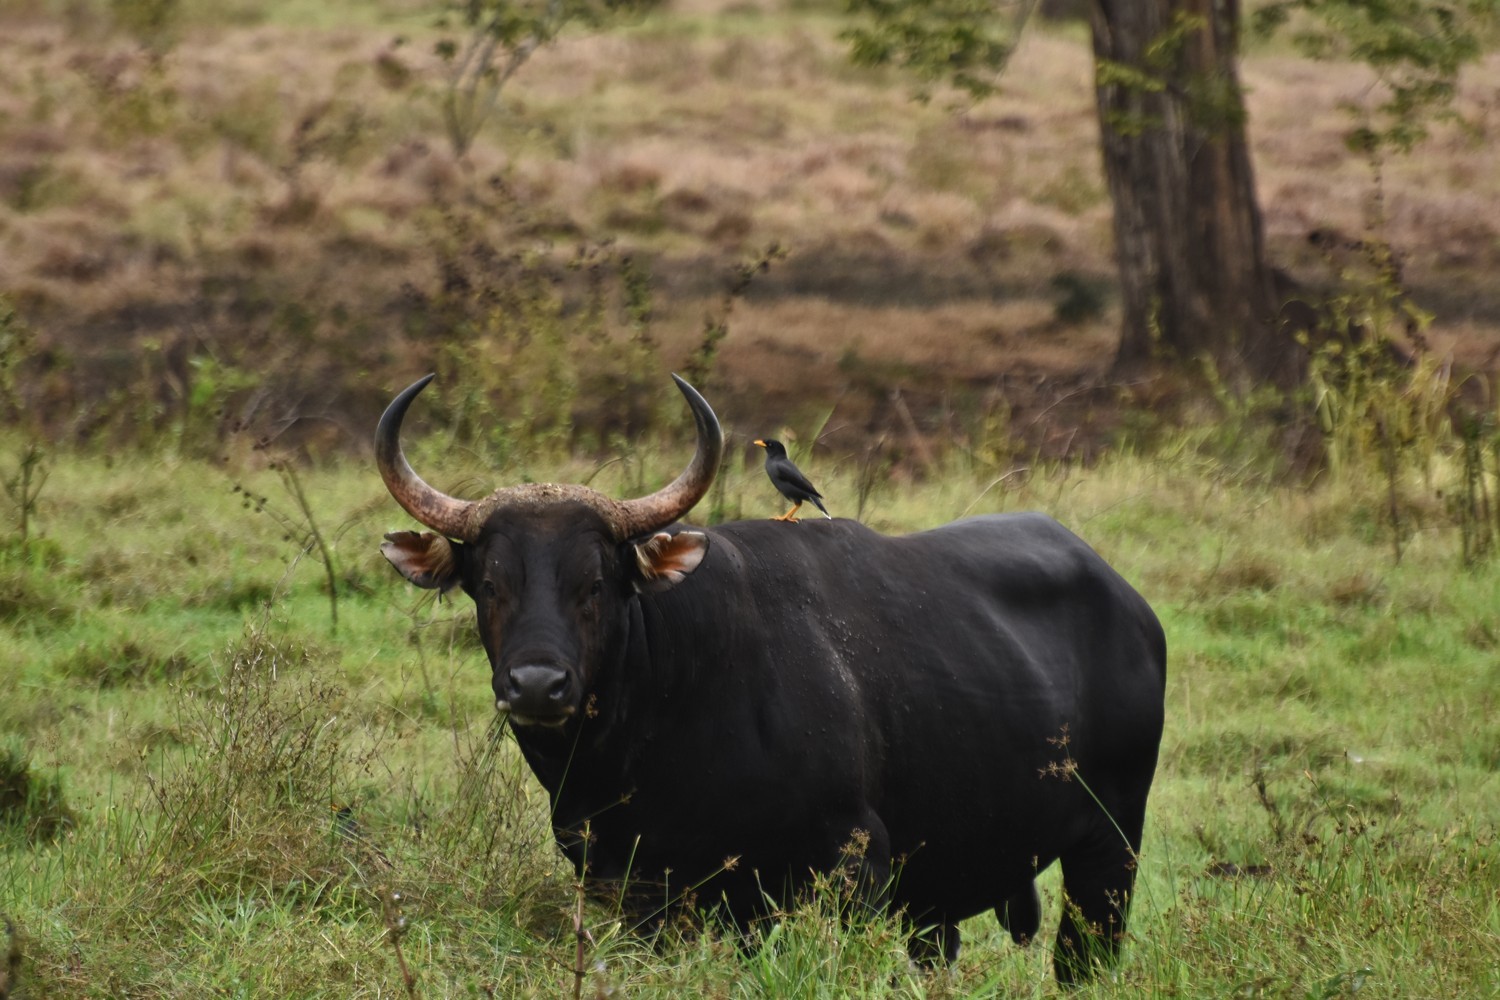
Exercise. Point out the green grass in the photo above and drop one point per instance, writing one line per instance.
(246, 789)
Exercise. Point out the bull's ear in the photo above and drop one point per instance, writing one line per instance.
(428, 560)
(666, 560)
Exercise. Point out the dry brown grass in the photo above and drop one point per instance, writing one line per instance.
(267, 167)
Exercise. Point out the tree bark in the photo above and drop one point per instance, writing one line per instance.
(1188, 231)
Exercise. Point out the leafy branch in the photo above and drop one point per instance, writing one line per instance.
(498, 37)
(967, 43)
(1415, 47)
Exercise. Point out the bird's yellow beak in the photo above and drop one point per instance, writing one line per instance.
(760, 442)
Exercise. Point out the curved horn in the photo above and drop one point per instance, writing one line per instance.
(640, 517)
(438, 511)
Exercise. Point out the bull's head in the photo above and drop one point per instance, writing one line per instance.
(552, 569)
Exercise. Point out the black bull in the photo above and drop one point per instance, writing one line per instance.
(729, 711)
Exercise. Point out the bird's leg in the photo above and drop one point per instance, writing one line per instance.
(790, 515)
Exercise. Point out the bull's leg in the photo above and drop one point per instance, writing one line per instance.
(1098, 876)
(933, 943)
(1021, 914)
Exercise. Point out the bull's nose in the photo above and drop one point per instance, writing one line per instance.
(540, 692)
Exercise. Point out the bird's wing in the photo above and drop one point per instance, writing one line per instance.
(790, 475)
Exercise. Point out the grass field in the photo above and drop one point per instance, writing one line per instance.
(240, 757)
(212, 791)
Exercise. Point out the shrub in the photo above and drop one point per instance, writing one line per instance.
(248, 804)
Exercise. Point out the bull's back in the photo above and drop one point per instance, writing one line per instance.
(975, 665)
(968, 592)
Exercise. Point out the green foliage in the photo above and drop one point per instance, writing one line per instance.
(1383, 408)
(1381, 415)
(526, 351)
(963, 43)
(493, 39)
(541, 354)
(1416, 48)
(212, 383)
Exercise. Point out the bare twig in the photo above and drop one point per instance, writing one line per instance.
(580, 937)
(303, 530)
(1019, 470)
(315, 538)
(924, 453)
(580, 933)
(395, 929)
(25, 487)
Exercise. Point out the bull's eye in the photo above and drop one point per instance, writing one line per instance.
(589, 606)
(489, 588)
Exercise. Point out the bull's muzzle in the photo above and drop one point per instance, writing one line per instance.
(537, 695)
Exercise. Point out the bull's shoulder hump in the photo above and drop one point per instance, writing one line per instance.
(1025, 549)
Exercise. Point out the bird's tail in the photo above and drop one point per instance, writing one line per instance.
(819, 504)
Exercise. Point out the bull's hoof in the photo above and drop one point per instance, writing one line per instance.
(1021, 915)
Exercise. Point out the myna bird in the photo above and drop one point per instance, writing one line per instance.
(789, 480)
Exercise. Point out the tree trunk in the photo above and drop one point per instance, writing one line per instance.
(1188, 231)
